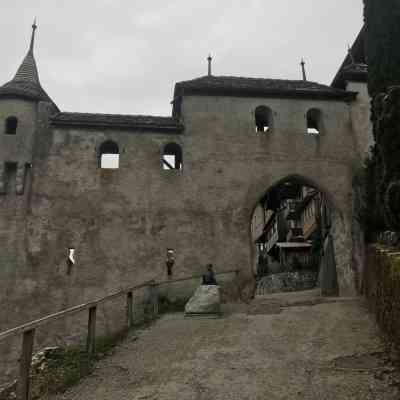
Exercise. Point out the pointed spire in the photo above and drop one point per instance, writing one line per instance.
(34, 27)
(303, 69)
(28, 69)
(25, 83)
(209, 59)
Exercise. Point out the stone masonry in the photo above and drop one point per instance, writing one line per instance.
(121, 222)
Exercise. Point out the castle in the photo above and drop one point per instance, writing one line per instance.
(91, 202)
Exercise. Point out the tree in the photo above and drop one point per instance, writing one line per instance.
(382, 20)
(382, 23)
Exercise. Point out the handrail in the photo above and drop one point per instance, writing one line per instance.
(28, 330)
(81, 307)
(68, 311)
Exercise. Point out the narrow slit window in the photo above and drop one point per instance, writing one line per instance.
(109, 155)
(314, 122)
(11, 126)
(71, 255)
(170, 261)
(70, 260)
(172, 157)
(263, 119)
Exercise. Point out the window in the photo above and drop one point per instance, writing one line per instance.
(71, 255)
(314, 118)
(263, 119)
(170, 261)
(11, 126)
(70, 260)
(109, 155)
(172, 156)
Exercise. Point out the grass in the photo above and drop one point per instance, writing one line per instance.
(168, 306)
(62, 368)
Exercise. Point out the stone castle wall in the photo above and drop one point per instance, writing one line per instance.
(120, 222)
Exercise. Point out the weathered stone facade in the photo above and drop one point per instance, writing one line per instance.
(382, 288)
(121, 222)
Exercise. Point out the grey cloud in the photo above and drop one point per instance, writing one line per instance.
(125, 56)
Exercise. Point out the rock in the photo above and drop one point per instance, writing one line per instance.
(287, 282)
(206, 300)
(40, 359)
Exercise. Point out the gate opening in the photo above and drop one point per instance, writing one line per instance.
(291, 232)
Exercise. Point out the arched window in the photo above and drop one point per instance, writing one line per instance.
(263, 119)
(172, 156)
(11, 126)
(109, 155)
(314, 121)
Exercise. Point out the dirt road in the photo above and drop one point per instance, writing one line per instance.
(286, 346)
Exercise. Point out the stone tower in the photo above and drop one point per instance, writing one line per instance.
(20, 101)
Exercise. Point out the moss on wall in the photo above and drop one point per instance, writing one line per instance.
(382, 289)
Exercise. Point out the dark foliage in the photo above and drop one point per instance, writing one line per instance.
(382, 20)
(373, 219)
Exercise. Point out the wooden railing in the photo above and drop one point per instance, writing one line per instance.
(28, 330)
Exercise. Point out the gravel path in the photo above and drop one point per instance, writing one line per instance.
(288, 346)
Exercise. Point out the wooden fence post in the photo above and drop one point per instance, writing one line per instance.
(129, 309)
(91, 336)
(25, 365)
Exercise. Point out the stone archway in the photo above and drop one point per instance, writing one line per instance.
(337, 280)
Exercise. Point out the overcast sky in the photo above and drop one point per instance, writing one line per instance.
(124, 56)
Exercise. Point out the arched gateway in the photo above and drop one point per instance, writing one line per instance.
(295, 228)
(334, 181)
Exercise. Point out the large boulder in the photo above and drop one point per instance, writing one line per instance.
(206, 300)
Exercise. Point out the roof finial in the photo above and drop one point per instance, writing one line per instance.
(34, 27)
(350, 51)
(303, 69)
(209, 59)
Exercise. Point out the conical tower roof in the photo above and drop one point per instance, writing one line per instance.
(26, 83)
(28, 70)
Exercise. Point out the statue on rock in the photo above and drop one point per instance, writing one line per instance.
(206, 300)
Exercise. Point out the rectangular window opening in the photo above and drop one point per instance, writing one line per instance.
(169, 162)
(109, 161)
